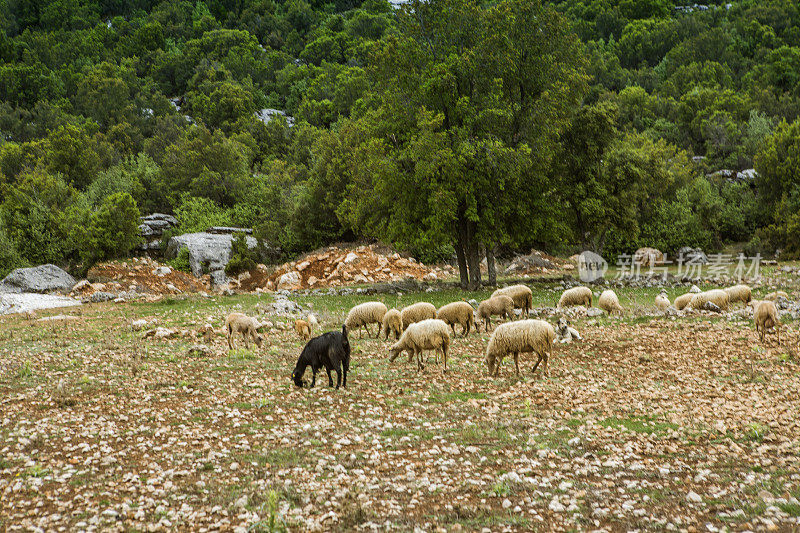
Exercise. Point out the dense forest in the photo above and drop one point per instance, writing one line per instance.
(446, 127)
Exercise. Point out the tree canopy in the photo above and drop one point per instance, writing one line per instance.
(450, 129)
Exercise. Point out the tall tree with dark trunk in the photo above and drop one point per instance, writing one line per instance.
(468, 103)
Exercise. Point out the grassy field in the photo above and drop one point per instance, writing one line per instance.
(650, 423)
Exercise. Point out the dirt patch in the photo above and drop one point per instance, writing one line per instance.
(336, 267)
(141, 275)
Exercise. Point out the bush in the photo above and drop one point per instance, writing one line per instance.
(181, 261)
(130, 176)
(10, 257)
(114, 228)
(198, 214)
(242, 257)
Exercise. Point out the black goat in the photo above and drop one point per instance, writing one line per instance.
(331, 350)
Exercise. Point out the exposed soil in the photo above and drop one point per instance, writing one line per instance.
(141, 273)
(649, 424)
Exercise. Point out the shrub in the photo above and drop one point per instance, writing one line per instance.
(130, 176)
(181, 261)
(10, 257)
(114, 228)
(198, 214)
(242, 257)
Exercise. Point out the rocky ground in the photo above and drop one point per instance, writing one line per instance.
(650, 423)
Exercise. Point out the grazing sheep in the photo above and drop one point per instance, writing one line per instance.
(417, 313)
(739, 293)
(392, 323)
(312, 321)
(775, 295)
(683, 300)
(609, 303)
(662, 300)
(499, 305)
(331, 350)
(303, 329)
(365, 314)
(765, 318)
(576, 296)
(458, 313)
(429, 334)
(566, 333)
(716, 296)
(248, 327)
(520, 294)
(519, 337)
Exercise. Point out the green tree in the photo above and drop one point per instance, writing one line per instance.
(33, 217)
(206, 164)
(113, 229)
(72, 152)
(472, 99)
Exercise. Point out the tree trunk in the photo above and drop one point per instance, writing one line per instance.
(461, 253)
(473, 258)
(490, 249)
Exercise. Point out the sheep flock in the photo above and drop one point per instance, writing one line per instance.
(421, 327)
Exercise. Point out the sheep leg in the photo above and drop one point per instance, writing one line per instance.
(516, 362)
(444, 357)
(338, 370)
(313, 377)
(537, 363)
(346, 368)
(230, 335)
(378, 331)
(497, 367)
(246, 341)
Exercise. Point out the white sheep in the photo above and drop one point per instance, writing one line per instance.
(717, 297)
(520, 294)
(499, 305)
(520, 337)
(683, 300)
(773, 296)
(392, 323)
(576, 296)
(609, 303)
(567, 333)
(247, 326)
(458, 313)
(739, 293)
(765, 318)
(662, 301)
(417, 313)
(365, 314)
(429, 334)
